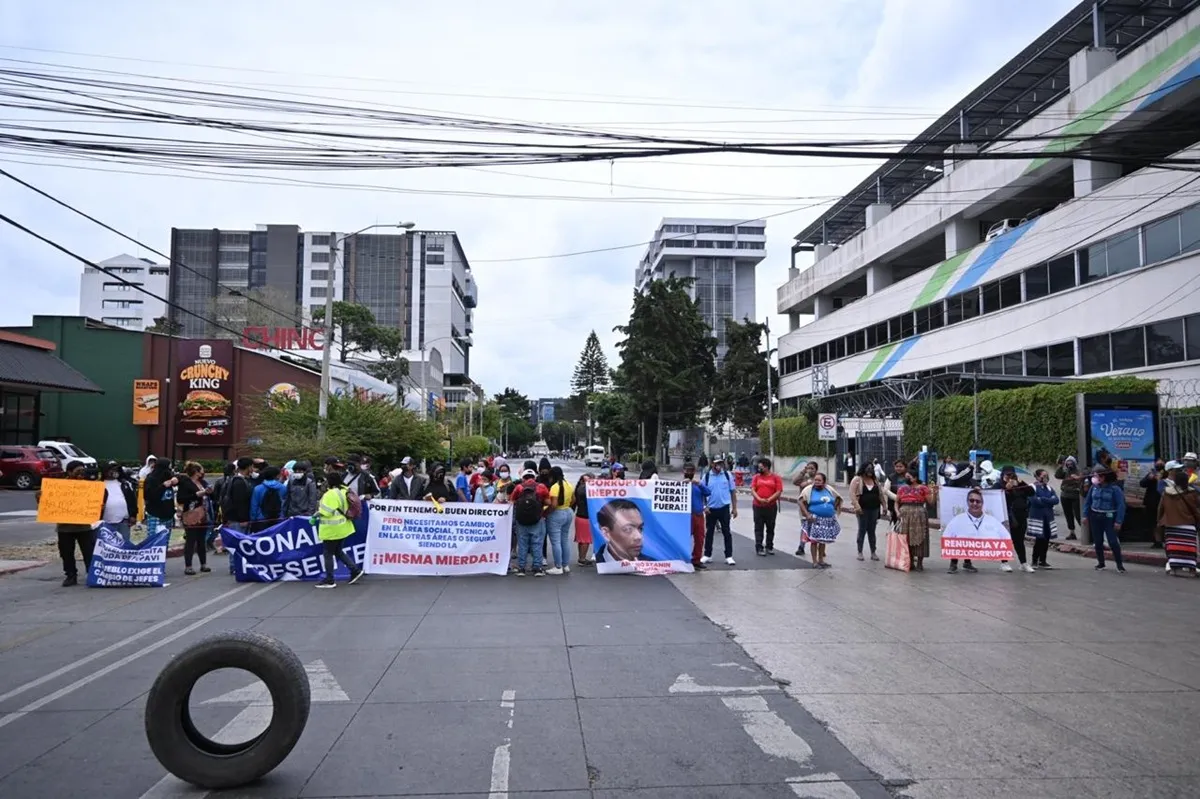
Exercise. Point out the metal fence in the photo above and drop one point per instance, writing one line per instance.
(1179, 417)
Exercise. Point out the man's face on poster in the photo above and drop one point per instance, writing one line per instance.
(625, 535)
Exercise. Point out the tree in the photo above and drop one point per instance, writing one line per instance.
(165, 325)
(513, 404)
(391, 366)
(741, 394)
(616, 421)
(559, 436)
(518, 433)
(668, 356)
(591, 376)
(356, 331)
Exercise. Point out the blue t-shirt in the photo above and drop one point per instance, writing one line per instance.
(463, 484)
(820, 503)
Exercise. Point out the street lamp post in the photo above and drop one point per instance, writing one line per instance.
(327, 351)
(770, 395)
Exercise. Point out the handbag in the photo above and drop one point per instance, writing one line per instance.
(897, 555)
(196, 517)
(1035, 529)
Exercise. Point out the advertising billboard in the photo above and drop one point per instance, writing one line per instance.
(204, 370)
(146, 400)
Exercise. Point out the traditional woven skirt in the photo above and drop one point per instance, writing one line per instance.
(914, 525)
(1179, 542)
(824, 530)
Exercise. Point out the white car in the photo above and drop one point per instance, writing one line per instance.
(67, 452)
(594, 457)
(1000, 228)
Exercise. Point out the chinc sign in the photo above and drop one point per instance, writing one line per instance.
(283, 338)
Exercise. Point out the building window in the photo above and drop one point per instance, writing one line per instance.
(1094, 355)
(1124, 252)
(434, 245)
(1014, 364)
(1129, 348)
(1092, 264)
(432, 258)
(319, 274)
(991, 297)
(751, 231)
(1037, 282)
(319, 291)
(1162, 239)
(1062, 359)
(993, 366)
(1189, 229)
(1037, 362)
(750, 245)
(1165, 342)
(1062, 273)
(903, 327)
(320, 239)
(839, 349)
(1010, 291)
(320, 257)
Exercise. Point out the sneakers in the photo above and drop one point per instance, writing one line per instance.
(554, 571)
(1044, 566)
(800, 551)
(358, 575)
(327, 584)
(566, 569)
(70, 580)
(539, 572)
(860, 556)
(730, 562)
(874, 556)
(1120, 570)
(952, 570)
(770, 550)
(205, 570)
(1025, 567)
(189, 571)
(1004, 567)
(760, 552)
(519, 572)
(1099, 567)
(706, 559)
(699, 566)
(969, 567)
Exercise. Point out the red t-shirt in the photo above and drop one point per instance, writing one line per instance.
(763, 486)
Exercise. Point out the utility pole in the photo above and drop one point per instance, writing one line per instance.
(327, 350)
(770, 394)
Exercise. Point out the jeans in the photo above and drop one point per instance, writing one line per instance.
(764, 522)
(1070, 506)
(194, 544)
(718, 516)
(1104, 527)
(530, 539)
(331, 550)
(867, 521)
(86, 540)
(124, 528)
(558, 530)
(697, 537)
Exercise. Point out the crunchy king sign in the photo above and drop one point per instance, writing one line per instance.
(205, 378)
(283, 338)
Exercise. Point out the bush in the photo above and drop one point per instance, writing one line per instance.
(794, 437)
(1035, 424)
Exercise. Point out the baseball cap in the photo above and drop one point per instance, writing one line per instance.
(1190, 456)
(333, 460)
(405, 461)
(528, 473)
(1171, 466)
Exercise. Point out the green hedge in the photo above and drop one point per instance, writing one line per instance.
(794, 437)
(1019, 425)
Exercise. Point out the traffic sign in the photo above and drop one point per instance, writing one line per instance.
(827, 427)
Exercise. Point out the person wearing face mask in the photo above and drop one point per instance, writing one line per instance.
(120, 499)
(1104, 513)
(766, 488)
(1041, 510)
(408, 484)
(73, 535)
(912, 509)
(333, 523)
(1179, 516)
(362, 482)
(236, 495)
(158, 495)
(802, 481)
(1151, 483)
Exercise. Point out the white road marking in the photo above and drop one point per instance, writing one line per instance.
(768, 730)
(19, 513)
(502, 757)
(686, 684)
(81, 682)
(252, 720)
(834, 789)
(78, 664)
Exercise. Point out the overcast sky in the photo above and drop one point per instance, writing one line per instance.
(764, 69)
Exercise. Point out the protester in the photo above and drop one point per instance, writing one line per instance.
(268, 500)
(820, 505)
(408, 484)
(559, 520)
(766, 488)
(503, 481)
(438, 489)
(1071, 488)
(1104, 513)
(649, 471)
(192, 497)
(462, 483)
(120, 500)
(912, 512)
(333, 523)
(148, 467)
(1017, 494)
(1179, 516)
(530, 500)
(73, 535)
(867, 496)
(583, 523)
(361, 481)
(700, 495)
(803, 480)
(236, 496)
(302, 492)
(486, 490)
(722, 506)
(1041, 511)
(158, 495)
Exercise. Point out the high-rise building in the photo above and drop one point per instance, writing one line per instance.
(720, 255)
(1052, 264)
(105, 298)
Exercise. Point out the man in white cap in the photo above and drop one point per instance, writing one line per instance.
(408, 484)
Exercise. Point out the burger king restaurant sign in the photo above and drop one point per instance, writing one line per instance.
(205, 389)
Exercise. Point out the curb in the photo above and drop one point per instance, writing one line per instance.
(36, 564)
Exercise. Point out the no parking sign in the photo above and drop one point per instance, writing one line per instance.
(827, 427)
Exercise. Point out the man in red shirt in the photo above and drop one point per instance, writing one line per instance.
(530, 500)
(765, 489)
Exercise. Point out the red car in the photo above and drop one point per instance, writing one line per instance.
(25, 467)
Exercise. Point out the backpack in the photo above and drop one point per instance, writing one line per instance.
(272, 504)
(226, 502)
(297, 496)
(353, 505)
(527, 510)
(709, 472)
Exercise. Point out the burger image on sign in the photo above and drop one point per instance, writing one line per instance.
(203, 404)
(281, 392)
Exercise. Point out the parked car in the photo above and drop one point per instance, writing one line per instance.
(25, 466)
(1000, 228)
(67, 452)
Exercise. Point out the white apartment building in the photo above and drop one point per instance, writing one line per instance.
(721, 255)
(103, 297)
(939, 272)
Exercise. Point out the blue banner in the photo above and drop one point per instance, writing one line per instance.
(641, 526)
(117, 564)
(290, 550)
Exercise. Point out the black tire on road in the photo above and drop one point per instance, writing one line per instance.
(185, 752)
(25, 481)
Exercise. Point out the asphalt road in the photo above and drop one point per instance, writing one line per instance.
(17, 513)
(574, 686)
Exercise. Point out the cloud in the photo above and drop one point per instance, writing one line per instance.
(833, 69)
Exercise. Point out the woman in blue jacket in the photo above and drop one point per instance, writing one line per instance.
(268, 501)
(1041, 509)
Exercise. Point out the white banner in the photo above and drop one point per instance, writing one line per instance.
(972, 531)
(406, 537)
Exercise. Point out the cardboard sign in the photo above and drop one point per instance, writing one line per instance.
(145, 402)
(70, 501)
